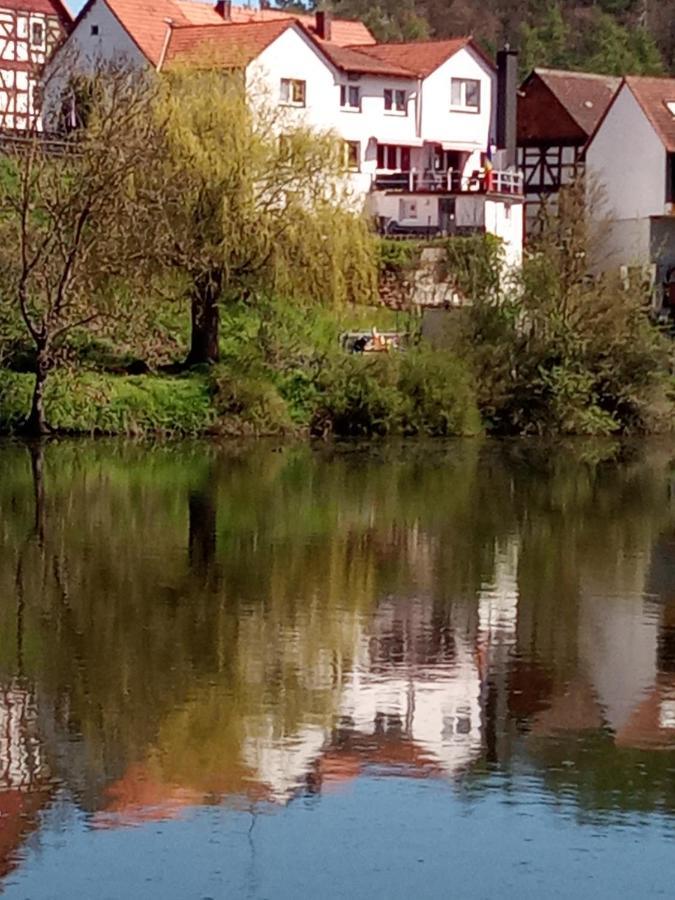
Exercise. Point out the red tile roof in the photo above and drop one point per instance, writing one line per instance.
(229, 47)
(232, 45)
(145, 21)
(421, 58)
(652, 94)
(360, 61)
(583, 95)
(345, 32)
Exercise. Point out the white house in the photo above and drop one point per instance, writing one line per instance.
(30, 30)
(631, 159)
(418, 119)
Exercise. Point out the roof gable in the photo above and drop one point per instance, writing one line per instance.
(543, 118)
(584, 96)
(652, 95)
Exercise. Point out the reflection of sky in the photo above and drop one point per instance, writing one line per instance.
(328, 848)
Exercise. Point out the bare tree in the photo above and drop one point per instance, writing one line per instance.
(69, 212)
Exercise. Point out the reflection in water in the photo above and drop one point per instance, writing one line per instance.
(185, 627)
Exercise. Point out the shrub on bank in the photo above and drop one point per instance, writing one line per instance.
(418, 393)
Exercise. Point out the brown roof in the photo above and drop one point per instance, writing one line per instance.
(652, 94)
(421, 58)
(584, 95)
(229, 47)
(360, 60)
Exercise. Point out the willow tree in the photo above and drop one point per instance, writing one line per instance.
(249, 203)
(67, 213)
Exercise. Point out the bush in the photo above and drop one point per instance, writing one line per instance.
(439, 398)
(421, 393)
(248, 403)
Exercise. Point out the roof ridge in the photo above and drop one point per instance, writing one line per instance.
(420, 43)
(253, 22)
(543, 70)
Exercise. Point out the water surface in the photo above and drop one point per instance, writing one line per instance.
(441, 670)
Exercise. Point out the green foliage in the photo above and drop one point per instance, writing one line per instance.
(248, 403)
(565, 353)
(89, 403)
(397, 256)
(420, 393)
(567, 37)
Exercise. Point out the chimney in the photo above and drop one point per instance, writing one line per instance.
(507, 100)
(324, 24)
(224, 10)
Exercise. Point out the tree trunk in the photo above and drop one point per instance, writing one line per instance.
(204, 346)
(36, 424)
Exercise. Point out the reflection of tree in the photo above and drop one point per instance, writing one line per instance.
(191, 611)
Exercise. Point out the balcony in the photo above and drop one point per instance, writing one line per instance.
(494, 181)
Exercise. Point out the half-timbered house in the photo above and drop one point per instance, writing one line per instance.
(30, 31)
(557, 113)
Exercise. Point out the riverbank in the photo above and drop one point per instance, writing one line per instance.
(283, 372)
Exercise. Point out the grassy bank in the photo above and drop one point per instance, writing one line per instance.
(283, 372)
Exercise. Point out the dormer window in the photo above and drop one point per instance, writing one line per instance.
(465, 94)
(395, 101)
(350, 97)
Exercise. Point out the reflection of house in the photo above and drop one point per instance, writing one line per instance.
(24, 789)
(557, 113)
(418, 119)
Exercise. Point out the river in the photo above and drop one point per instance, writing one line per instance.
(389, 671)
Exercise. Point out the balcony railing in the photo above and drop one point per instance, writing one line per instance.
(493, 181)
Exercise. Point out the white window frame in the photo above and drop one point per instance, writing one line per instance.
(349, 93)
(463, 85)
(37, 45)
(293, 92)
(395, 101)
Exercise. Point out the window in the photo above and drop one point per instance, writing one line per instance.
(353, 156)
(395, 101)
(350, 97)
(37, 34)
(293, 92)
(94, 30)
(391, 158)
(407, 209)
(465, 94)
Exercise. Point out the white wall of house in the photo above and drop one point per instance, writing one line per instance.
(626, 183)
(98, 38)
(112, 42)
(441, 122)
